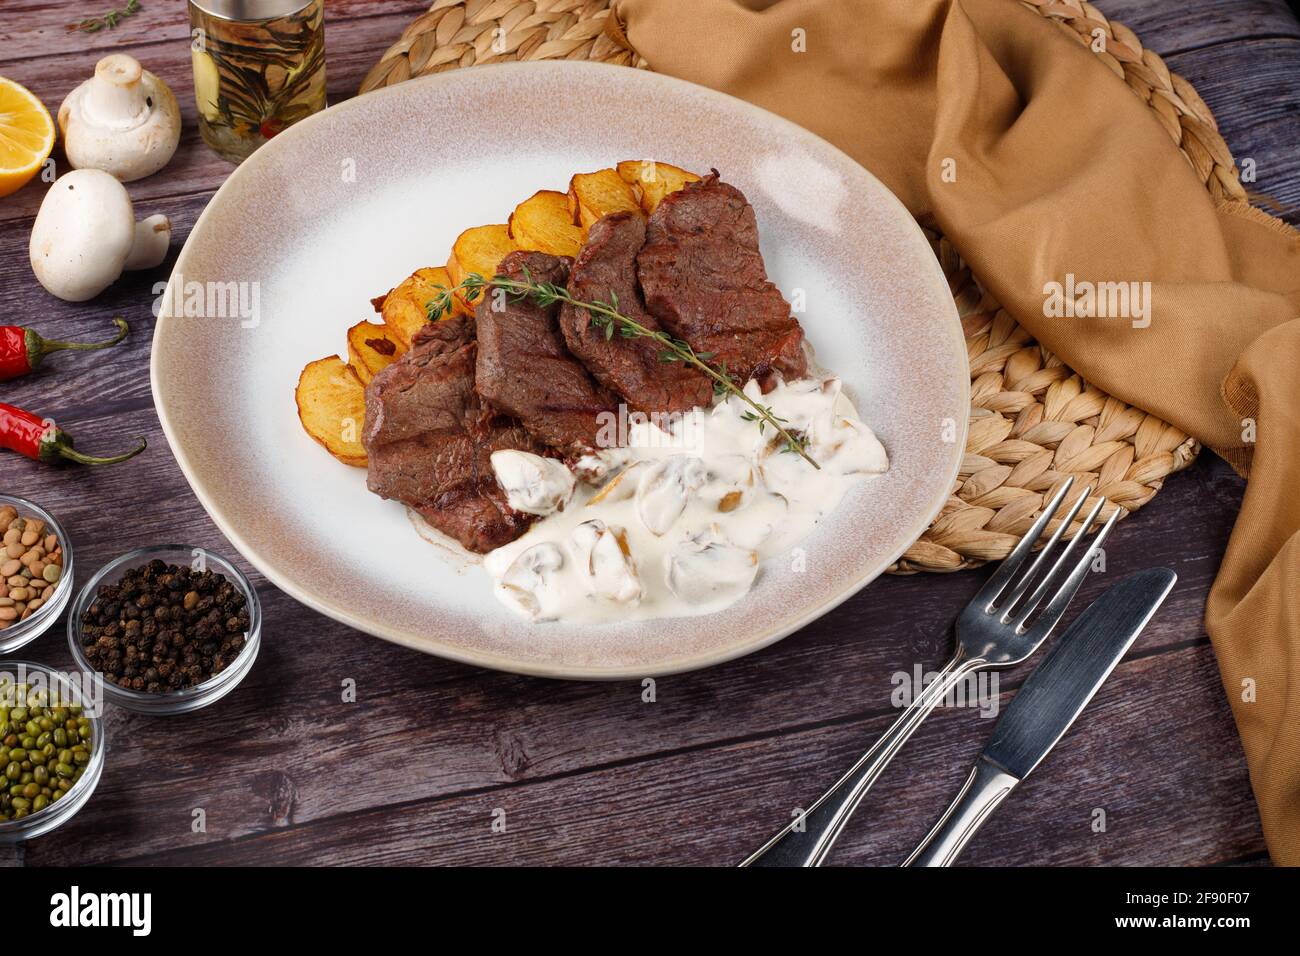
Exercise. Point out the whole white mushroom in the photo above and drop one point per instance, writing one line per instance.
(123, 120)
(85, 235)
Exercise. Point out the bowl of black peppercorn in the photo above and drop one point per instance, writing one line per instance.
(170, 628)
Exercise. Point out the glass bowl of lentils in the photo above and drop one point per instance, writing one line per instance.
(35, 571)
(170, 628)
(52, 747)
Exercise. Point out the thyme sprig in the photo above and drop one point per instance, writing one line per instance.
(109, 19)
(606, 318)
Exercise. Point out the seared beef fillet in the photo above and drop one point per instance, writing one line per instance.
(524, 369)
(703, 278)
(430, 439)
(605, 271)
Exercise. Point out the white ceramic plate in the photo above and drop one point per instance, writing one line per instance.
(343, 206)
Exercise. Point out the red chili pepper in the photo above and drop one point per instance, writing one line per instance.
(41, 441)
(22, 350)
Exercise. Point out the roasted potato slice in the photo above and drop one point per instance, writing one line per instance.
(370, 349)
(480, 250)
(405, 308)
(543, 222)
(592, 195)
(653, 181)
(332, 408)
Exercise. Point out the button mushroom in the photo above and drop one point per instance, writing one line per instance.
(123, 120)
(533, 485)
(709, 568)
(621, 487)
(662, 491)
(524, 585)
(604, 562)
(85, 235)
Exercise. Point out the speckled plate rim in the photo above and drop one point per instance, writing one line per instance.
(481, 658)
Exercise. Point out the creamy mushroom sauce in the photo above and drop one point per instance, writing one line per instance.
(678, 519)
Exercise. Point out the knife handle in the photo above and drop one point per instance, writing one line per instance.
(985, 788)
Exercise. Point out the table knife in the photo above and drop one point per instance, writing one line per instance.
(1048, 703)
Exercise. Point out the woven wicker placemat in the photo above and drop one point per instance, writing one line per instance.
(1033, 420)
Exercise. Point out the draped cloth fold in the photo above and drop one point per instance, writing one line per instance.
(1039, 165)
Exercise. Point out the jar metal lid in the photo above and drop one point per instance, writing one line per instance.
(251, 10)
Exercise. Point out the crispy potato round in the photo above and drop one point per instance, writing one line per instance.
(479, 250)
(331, 393)
(370, 350)
(543, 223)
(405, 309)
(653, 181)
(332, 408)
(592, 195)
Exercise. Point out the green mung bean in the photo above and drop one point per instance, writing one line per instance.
(43, 752)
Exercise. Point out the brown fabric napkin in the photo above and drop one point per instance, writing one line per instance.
(1061, 170)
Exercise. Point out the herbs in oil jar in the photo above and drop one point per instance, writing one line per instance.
(259, 67)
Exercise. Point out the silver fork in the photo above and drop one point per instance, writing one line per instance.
(994, 631)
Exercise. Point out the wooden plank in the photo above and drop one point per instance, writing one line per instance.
(287, 772)
(42, 30)
(1253, 88)
(39, 28)
(712, 806)
(195, 169)
(829, 656)
(365, 29)
(1170, 28)
(68, 383)
(459, 729)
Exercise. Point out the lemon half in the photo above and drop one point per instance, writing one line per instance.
(26, 136)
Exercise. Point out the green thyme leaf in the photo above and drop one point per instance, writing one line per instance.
(606, 317)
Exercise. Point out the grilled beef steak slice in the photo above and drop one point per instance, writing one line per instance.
(605, 271)
(703, 278)
(524, 369)
(429, 439)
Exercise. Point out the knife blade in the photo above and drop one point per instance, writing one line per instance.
(1046, 706)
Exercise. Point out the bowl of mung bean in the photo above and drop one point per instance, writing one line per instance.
(170, 628)
(35, 571)
(52, 746)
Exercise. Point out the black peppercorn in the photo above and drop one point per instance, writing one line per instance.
(164, 627)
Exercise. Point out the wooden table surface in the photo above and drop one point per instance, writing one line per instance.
(417, 770)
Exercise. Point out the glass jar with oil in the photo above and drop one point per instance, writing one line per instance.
(259, 67)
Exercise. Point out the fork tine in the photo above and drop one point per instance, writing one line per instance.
(997, 583)
(1027, 578)
(1052, 577)
(1059, 601)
